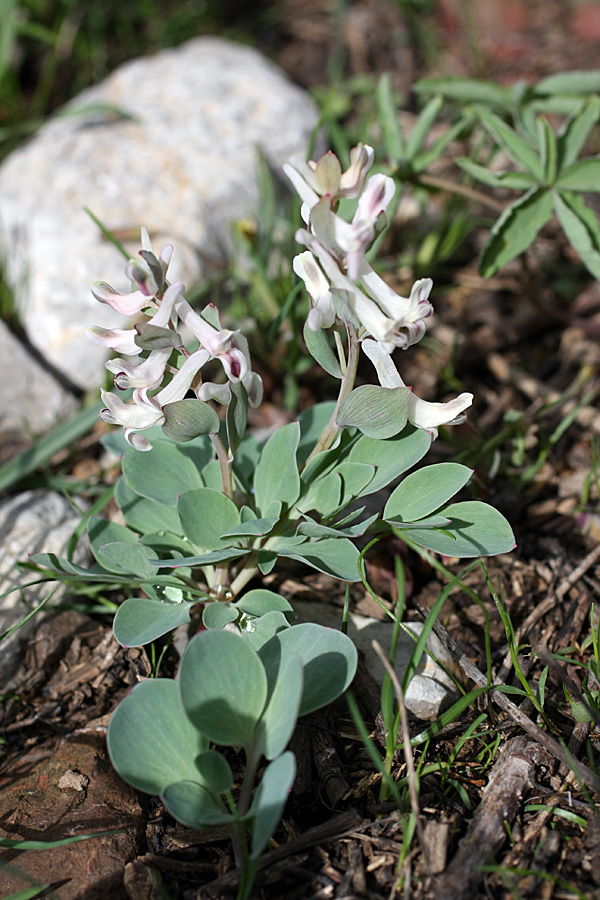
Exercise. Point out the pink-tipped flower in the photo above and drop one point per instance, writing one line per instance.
(121, 340)
(421, 413)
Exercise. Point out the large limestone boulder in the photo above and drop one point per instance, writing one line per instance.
(168, 141)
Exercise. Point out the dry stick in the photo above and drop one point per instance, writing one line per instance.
(511, 776)
(582, 773)
(410, 766)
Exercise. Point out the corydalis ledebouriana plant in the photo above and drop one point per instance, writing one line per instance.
(159, 336)
(342, 285)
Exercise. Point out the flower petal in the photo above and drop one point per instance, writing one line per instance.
(147, 374)
(126, 304)
(121, 340)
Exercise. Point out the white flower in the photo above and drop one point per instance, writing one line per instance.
(420, 412)
(322, 314)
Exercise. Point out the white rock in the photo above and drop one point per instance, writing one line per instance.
(183, 164)
(430, 690)
(33, 522)
(31, 399)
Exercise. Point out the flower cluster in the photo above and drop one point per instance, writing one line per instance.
(341, 283)
(155, 340)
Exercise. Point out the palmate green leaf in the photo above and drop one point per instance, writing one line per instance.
(141, 620)
(205, 515)
(515, 230)
(328, 658)
(547, 142)
(581, 176)
(276, 476)
(160, 474)
(475, 529)
(376, 411)
(333, 556)
(425, 158)
(466, 90)
(281, 713)
(223, 687)
(269, 800)
(580, 225)
(575, 131)
(320, 349)
(143, 515)
(480, 173)
(151, 741)
(391, 457)
(424, 491)
(514, 146)
(192, 804)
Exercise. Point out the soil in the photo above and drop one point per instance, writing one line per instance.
(503, 798)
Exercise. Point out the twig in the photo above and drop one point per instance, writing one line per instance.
(410, 766)
(511, 777)
(582, 772)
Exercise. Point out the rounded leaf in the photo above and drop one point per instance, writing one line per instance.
(223, 687)
(151, 741)
(205, 515)
(140, 620)
(328, 659)
(161, 474)
(475, 529)
(192, 804)
(188, 419)
(376, 411)
(422, 492)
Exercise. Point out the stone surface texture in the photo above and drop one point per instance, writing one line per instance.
(31, 399)
(168, 141)
(74, 792)
(32, 522)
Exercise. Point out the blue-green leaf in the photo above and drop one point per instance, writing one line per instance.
(205, 515)
(150, 739)
(320, 349)
(376, 411)
(333, 556)
(218, 615)
(143, 515)
(276, 476)
(269, 800)
(140, 620)
(475, 529)
(160, 474)
(127, 559)
(192, 804)
(424, 491)
(281, 713)
(328, 658)
(223, 687)
(391, 457)
(261, 601)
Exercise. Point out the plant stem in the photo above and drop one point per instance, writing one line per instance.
(452, 187)
(329, 433)
(226, 467)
